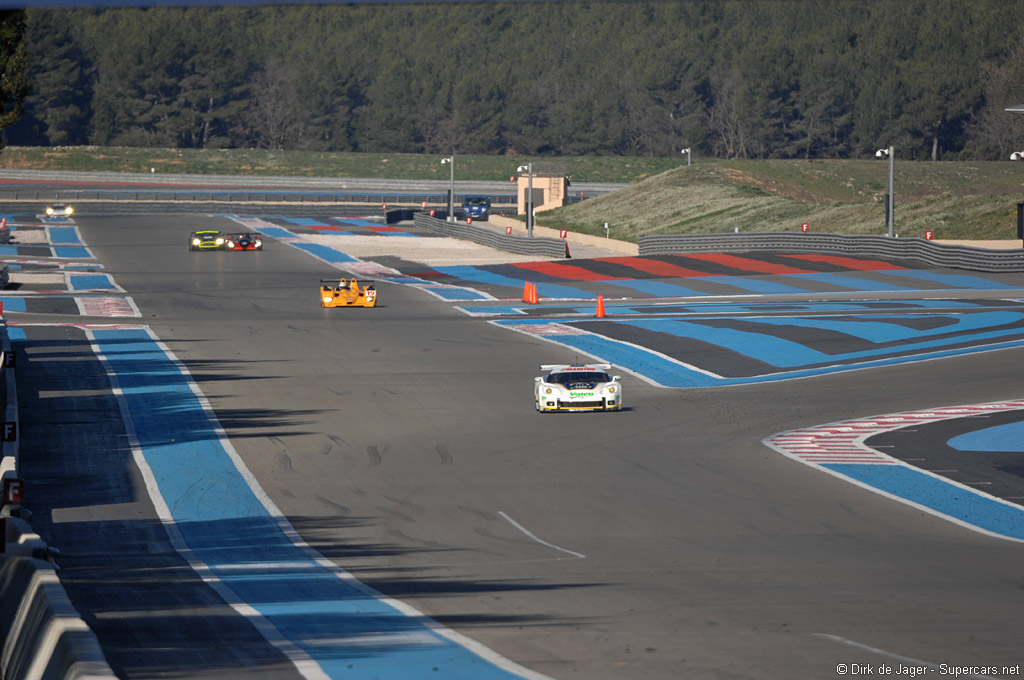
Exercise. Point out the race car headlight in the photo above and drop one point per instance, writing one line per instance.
(49, 211)
(327, 298)
(258, 243)
(68, 211)
(220, 241)
(611, 389)
(548, 390)
(195, 241)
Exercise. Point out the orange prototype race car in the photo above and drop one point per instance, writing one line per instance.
(349, 293)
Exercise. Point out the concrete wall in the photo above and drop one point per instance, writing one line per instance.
(518, 227)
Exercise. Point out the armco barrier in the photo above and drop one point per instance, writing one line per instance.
(43, 636)
(930, 253)
(521, 245)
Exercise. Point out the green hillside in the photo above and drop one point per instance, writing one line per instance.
(956, 200)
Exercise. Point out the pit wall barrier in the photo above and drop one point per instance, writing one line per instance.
(510, 243)
(930, 253)
(42, 636)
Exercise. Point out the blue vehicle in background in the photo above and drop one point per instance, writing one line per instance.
(476, 207)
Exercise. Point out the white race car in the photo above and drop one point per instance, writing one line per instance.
(59, 210)
(577, 387)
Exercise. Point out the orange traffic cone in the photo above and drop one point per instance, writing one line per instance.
(600, 307)
(534, 297)
(526, 292)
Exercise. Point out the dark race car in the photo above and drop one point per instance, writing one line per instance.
(206, 240)
(244, 241)
(476, 207)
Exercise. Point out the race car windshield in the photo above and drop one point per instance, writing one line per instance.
(579, 377)
(477, 202)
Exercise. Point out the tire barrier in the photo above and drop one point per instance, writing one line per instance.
(521, 245)
(930, 253)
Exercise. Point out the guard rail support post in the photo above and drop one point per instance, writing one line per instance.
(1020, 221)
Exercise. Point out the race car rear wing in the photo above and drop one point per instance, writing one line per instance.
(575, 367)
(361, 281)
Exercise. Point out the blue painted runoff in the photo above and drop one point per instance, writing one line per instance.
(755, 285)
(786, 353)
(91, 282)
(63, 236)
(547, 290)
(952, 280)
(847, 282)
(659, 288)
(346, 628)
(71, 252)
(672, 373)
(325, 253)
(277, 232)
(1006, 438)
(455, 293)
(940, 496)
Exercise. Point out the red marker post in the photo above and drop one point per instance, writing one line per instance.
(805, 227)
(928, 235)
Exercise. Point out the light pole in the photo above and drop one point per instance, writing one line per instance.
(890, 215)
(687, 152)
(528, 168)
(451, 190)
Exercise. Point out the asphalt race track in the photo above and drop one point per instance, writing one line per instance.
(438, 527)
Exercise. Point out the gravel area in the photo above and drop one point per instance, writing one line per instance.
(30, 278)
(27, 236)
(442, 251)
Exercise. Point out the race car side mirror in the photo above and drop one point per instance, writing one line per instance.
(616, 377)
(538, 380)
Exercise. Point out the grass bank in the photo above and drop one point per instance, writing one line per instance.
(265, 163)
(954, 200)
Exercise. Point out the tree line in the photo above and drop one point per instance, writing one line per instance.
(732, 79)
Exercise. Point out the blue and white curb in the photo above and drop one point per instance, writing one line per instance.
(839, 450)
(218, 518)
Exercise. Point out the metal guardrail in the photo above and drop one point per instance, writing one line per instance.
(930, 253)
(292, 195)
(510, 243)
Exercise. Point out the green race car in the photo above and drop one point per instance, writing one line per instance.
(206, 240)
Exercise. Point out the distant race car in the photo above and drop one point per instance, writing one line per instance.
(476, 207)
(206, 240)
(59, 210)
(244, 241)
(577, 387)
(342, 293)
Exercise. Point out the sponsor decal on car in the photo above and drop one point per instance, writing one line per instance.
(581, 394)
